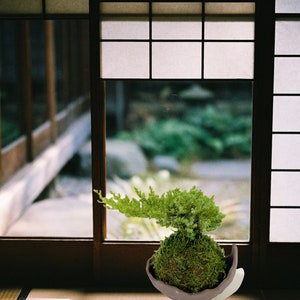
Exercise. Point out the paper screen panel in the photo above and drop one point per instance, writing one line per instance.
(285, 188)
(286, 112)
(287, 6)
(176, 28)
(176, 8)
(21, 6)
(176, 60)
(126, 29)
(124, 60)
(284, 225)
(285, 151)
(287, 75)
(220, 29)
(287, 37)
(67, 6)
(228, 60)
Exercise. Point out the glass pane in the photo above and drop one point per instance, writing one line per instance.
(169, 134)
(285, 151)
(39, 94)
(124, 60)
(286, 112)
(10, 106)
(176, 60)
(125, 29)
(177, 28)
(222, 29)
(229, 8)
(287, 75)
(228, 60)
(287, 38)
(63, 208)
(287, 6)
(284, 225)
(285, 189)
(67, 6)
(21, 6)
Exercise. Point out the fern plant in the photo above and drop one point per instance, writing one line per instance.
(188, 259)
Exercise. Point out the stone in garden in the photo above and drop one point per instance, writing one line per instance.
(164, 162)
(124, 159)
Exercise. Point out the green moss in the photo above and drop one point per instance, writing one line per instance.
(190, 265)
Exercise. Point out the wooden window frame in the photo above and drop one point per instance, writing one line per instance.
(121, 264)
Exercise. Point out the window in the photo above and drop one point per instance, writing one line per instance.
(86, 260)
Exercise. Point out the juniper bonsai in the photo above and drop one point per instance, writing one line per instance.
(188, 258)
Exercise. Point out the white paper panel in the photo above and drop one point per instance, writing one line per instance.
(124, 8)
(287, 37)
(285, 151)
(229, 8)
(222, 30)
(176, 8)
(286, 112)
(228, 60)
(67, 6)
(287, 75)
(124, 60)
(176, 60)
(284, 225)
(21, 6)
(285, 189)
(287, 6)
(124, 30)
(176, 29)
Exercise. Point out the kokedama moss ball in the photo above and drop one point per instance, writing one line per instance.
(189, 264)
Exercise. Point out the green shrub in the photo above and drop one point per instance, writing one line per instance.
(165, 137)
(206, 133)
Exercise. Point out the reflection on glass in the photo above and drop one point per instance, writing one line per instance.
(10, 106)
(39, 94)
(180, 134)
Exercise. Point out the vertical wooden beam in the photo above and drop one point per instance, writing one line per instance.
(262, 136)
(25, 83)
(98, 113)
(84, 56)
(50, 75)
(65, 61)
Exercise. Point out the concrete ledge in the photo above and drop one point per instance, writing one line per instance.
(25, 186)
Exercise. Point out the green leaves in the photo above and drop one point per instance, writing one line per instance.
(191, 211)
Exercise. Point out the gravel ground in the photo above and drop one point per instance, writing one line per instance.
(231, 191)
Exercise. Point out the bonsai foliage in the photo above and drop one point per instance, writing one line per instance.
(191, 212)
(188, 258)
